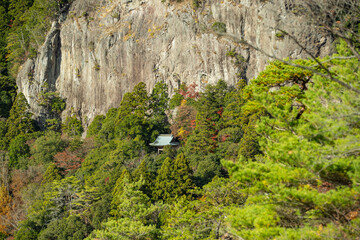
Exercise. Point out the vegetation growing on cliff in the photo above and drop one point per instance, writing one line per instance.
(23, 27)
(274, 159)
(277, 158)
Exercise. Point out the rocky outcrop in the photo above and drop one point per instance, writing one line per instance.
(104, 48)
(41, 74)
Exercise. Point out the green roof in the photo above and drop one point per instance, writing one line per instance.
(164, 140)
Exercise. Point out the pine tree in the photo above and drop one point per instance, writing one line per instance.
(4, 21)
(164, 183)
(95, 126)
(249, 144)
(182, 175)
(71, 228)
(309, 168)
(107, 131)
(64, 195)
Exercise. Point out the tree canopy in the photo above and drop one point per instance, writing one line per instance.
(274, 158)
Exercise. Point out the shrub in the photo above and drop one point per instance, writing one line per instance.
(73, 126)
(175, 101)
(95, 125)
(97, 67)
(196, 3)
(280, 35)
(46, 147)
(18, 149)
(219, 27)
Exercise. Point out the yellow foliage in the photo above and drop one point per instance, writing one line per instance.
(183, 102)
(181, 132)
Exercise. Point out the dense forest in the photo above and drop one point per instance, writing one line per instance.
(276, 158)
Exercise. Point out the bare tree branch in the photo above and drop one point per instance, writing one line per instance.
(328, 76)
(308, 52)
(9, 222)
(348, 41)
(333, 58)
(338, 17)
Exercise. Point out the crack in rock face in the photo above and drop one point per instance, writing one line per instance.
(100, 51)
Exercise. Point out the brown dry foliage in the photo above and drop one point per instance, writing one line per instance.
(67, 161)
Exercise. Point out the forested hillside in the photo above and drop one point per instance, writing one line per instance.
(274, 158)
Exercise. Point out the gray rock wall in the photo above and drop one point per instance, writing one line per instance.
(104, 48)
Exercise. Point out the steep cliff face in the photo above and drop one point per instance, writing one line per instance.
(102, 49)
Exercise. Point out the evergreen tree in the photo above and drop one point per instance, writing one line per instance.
(7, 94)
(208, 119)
(240, 116)
(143, 172)
(159, 105)
(30, 22)
(249, 144)
(164, 183)
(173, 179)
(308, 172)
(18, 149)
(107, 131)
(7, 84)
(72, 126)
(70, 228)
(64, 196)
(204, 218)
(95, 126)
(118, 190)
(28, 230)
(19, 120)
(131, 117)
(51, 174)
(3, 142)
(45, 147)
(53, 105)
(135, 215)
(17, 8)
(17, 38)
(99, 211)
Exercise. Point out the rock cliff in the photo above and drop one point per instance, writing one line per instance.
(99, 50)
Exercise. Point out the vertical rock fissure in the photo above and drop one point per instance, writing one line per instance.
(150, 41)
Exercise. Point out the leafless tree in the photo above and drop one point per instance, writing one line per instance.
(4, 169)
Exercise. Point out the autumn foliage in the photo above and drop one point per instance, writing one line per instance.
(5, 210)
(67, 161)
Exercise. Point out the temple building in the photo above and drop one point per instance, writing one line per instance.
(164, 140)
